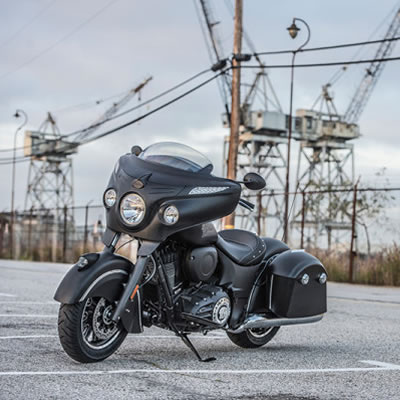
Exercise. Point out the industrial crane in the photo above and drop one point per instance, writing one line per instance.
(372, 73)
(326, 154)
(50, 180)
(262, 139)
(325, 122)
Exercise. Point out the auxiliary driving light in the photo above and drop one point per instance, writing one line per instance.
(322, 278)
(132, 209)
(305, 279)
(110, 197)
(171, 215)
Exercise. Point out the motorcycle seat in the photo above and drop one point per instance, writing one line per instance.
(243, 247)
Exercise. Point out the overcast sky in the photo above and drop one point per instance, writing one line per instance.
(50, 61)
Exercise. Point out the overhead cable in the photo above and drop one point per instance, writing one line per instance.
(62, 39)
(321, 48)
(142, 104)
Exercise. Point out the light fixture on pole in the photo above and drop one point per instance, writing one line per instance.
(293, 31)
(17, 114)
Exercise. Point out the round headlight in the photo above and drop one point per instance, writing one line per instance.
(171, 215)
(132, 209)
(110, 197)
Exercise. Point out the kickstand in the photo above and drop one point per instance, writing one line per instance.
(189, 344)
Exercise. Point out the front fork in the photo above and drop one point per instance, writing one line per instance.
(132, 286)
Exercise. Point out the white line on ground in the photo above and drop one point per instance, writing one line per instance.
(387, 367)
(29, 315)
(27, 337)
(130, 336)
(7, 295)
(53, 303)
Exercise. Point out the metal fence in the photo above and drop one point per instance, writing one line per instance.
(350, 223)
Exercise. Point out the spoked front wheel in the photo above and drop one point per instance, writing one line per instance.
(253, 338)
(86, 331)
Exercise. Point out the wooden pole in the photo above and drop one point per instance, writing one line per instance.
(353, 235)
(303, 216)
(64, 253)
(235, 109)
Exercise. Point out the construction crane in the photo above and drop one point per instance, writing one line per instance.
(113, 110)
(372, 73)
(326, 154)
(50, 191)
(262, 141)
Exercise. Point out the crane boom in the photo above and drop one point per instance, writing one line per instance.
(112, 110)
(372, 74)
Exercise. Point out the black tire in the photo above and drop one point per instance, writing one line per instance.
(73, 341)
(253, 338)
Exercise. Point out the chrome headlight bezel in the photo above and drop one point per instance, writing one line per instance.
(106, 201)
(138, 202)
(175, 213)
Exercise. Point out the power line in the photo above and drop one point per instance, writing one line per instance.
(336, 46)
(62, 39)
(142, 104)
(26, 25)
(91, 103)
(328, 64)
(175, 99)
(109, 132)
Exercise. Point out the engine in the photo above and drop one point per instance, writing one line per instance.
(190, 273)
(206, 303)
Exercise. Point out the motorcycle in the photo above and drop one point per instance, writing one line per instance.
(187, 276)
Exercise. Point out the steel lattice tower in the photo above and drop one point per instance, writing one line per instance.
(50, 178)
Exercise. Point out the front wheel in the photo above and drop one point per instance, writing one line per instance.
(253, 338)
(86, 331)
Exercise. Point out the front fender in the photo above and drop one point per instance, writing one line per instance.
(102, 270)
(102, 275)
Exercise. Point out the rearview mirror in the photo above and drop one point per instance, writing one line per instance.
(254, 181)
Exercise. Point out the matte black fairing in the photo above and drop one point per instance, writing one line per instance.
(161, 186)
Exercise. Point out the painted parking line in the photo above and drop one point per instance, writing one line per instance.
(139, 336)
(10, 303)
(29, 315)
(379, 367)
(7, 295)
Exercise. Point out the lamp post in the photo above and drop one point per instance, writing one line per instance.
(293, 31)
(17, 114)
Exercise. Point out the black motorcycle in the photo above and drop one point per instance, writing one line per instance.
(187, 277)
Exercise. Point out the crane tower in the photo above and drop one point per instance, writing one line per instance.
(326, 153)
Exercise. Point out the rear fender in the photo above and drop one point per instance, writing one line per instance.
(101, 275)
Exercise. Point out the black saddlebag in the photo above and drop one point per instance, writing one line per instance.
(297, 285)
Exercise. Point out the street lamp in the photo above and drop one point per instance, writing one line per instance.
(293, 31)
(17, 114)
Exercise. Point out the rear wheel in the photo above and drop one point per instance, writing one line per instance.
(253, 338)
(86, 331)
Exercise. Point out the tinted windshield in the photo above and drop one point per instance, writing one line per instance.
(177, 155)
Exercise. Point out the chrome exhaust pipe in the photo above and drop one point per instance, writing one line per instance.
(258, 321)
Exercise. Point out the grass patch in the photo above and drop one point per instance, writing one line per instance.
(381, 268)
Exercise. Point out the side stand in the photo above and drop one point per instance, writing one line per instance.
(189, 344)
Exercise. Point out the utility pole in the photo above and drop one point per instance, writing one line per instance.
(235, 109)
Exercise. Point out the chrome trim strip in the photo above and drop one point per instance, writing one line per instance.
(99, 278)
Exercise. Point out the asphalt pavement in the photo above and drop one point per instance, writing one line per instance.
(353, 353)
